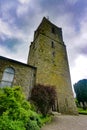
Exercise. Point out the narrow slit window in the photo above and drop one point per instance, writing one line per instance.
(53, 30)
(53, 53)
(52, 45)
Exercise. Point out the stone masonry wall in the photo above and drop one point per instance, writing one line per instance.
(24, 74)
(52, 65)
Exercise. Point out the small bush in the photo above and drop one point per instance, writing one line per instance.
(46, 119)
(44, 98)
(15, 111)
(32, 125)
(7, 124)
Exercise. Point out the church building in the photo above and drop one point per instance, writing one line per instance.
(47, 64)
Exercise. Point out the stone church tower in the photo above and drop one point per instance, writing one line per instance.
(48, 54)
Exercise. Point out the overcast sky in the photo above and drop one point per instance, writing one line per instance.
(20, 18)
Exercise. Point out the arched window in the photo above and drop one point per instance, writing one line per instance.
(8, 76)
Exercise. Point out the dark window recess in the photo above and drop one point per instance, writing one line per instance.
(53, 53)
(34, 75)
(53, 30)
(52, 45)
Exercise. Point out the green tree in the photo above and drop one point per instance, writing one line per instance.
(81, 91)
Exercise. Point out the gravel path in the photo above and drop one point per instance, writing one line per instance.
(65, 122)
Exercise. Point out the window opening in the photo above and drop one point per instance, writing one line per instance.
(8, 76)
(53, 53)
(53, 30)
(52, 45)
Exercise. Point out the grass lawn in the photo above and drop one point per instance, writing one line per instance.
(81, 111)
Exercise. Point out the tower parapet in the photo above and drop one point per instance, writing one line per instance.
(50, 30)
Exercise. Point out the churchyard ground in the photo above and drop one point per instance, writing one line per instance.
(67, 122)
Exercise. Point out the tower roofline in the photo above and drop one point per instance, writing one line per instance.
(44, 18)
(48, 21)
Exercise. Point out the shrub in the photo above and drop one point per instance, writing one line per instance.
(7, 124)
(15, 111)
(45, 119)
(32, 125)
(44, 97)
(13, 104)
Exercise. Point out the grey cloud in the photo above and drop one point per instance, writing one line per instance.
(83, 50)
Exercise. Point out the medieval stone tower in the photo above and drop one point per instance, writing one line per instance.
(48, 54)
